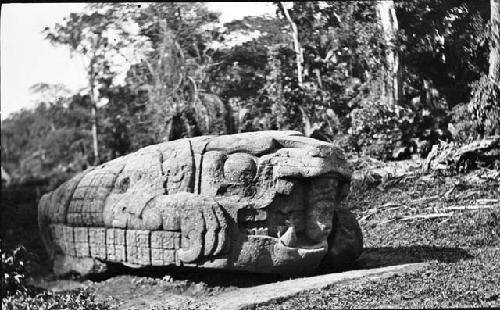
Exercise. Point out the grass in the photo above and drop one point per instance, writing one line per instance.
(463, 249)
(75, 299)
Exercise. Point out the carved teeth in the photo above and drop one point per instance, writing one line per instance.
(262, 231)
(257, 231)
(289, 238)
(281, 230)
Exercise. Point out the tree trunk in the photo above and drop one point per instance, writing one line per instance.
(168, 131)
(494, 60)
(94, 96)
(296, 44)
(307, 123)
(388, 19)
(299, 59)
(426, 96)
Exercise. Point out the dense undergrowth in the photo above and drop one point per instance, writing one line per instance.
(24, 259)
(18, 293)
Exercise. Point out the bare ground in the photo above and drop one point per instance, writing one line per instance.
(451, 222)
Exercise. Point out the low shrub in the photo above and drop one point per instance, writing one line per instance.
(14, 269)
(481, 116)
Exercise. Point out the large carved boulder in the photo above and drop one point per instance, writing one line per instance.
(262, 202)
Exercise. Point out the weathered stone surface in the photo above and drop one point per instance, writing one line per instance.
(263, 201)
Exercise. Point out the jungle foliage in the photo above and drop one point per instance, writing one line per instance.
(186, 75)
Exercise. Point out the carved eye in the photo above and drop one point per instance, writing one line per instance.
(240, 168)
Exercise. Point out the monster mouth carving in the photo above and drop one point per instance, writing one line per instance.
(299, 218)
(261, 201)
(253, 222)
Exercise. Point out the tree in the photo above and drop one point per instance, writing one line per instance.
(442, 59)
(486, 99)
(389, 21)
(480, 117)
(339, 44)
(51, 140)
(241, 69)
(308, 130)
(174, 52)
(92, 36)
(299, 58)
(494, 60)
(47, 92)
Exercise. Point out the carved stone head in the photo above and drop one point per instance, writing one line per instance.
(260, 201)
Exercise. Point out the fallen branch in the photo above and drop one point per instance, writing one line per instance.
(425, 199)
(426, 216)
(370, 213)
(471, 207)
(484, 201)
(389, 206)
(396, 208)
(416, 217)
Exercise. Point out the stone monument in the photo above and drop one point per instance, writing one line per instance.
(265, 202)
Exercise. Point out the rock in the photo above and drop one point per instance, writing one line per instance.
(345, 242)
(264, 202)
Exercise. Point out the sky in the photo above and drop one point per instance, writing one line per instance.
(26, 58)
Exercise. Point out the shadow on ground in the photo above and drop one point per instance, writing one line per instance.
(390, 256)
(211, 277)
(371, 258)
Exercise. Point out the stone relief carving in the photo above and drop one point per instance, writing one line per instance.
(262, 202)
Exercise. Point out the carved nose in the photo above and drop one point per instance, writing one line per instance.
(321, 200)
